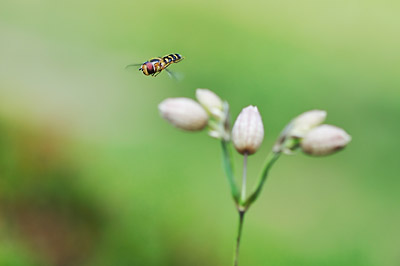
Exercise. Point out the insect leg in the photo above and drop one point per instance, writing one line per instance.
(172, 74)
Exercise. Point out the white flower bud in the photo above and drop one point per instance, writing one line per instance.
(306, 121)
(324, 140)
(297, 129)
(210, 101)
(184, 113)
(248, 131)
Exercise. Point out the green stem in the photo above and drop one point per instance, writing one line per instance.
(271, 158)
(229, 172)
(243, 197)
(239, 234)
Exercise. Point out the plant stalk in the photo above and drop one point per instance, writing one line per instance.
(239, 234)
(228, 166)
(271, 158)
(243, 197)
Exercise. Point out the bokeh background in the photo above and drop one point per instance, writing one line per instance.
(91, 175)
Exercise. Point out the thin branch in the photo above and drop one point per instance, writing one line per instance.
(239, 234)
(243, 198)
(271, 158)
(227, 160)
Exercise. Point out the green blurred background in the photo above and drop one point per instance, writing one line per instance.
(91, 175)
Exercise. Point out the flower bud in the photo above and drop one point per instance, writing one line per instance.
(291, 135)
(184, 113)
(248, 131)
(305, 122)
(220, 128)
(324, 140)
(210, 101)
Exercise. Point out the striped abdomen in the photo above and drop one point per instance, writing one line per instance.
(172, 58)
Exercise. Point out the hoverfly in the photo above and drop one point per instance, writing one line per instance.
(155, 65)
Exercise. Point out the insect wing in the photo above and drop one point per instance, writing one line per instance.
(131, 65)
(174, 75)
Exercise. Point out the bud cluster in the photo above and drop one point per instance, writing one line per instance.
(187, 114)
(305, 131)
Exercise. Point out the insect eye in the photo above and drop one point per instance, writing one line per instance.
(149, 66)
